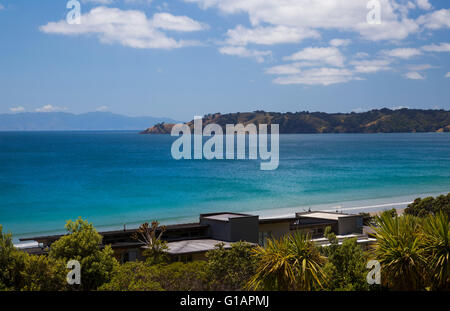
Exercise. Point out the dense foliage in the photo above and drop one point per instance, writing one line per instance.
(374, 121)
(231, 269)
(429, 206)
(346, 265)
(413, 251)
(83, 243)
(21, 271)
(290, 263)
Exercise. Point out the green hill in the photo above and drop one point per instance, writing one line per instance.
(374, 121)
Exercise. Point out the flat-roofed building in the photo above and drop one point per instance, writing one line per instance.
(192, 240)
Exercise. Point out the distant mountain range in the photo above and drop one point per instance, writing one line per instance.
(28, 121)
(374, 121)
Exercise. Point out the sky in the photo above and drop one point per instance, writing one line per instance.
(183, 58)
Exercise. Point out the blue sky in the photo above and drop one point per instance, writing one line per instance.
(183, 58)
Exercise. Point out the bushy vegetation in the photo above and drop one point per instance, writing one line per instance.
(413, 252)
(21, 271)
(429, 206)
(82, 243)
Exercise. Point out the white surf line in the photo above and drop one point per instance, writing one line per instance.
(366, 207)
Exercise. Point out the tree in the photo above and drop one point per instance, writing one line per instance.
(132, 276)
(400, 252)
(429, 206)
(22, 271)
(346, 266)
(368, 220)
(290, 263)
(436, 240)
(231, 269)
(11, 263)
(83, 243)
(42, 273)
(156, 248)
(178, 276)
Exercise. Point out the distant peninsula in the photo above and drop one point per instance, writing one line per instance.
(64, 121)
(374, 121)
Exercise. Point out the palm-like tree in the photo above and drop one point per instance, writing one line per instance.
(290, 263)
(436, 237)
(399, 251)
(155, 247)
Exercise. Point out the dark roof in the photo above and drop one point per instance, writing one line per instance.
(127, 232)
(275, 220)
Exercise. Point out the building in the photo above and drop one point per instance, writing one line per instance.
(191, 241)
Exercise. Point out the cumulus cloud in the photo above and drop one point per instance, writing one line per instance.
(129, 28)
(435, 20)
(414, 75)
(424, 4)
(371, 66)
(340, 42)
(327, 55)
(404, 53)
(348, 15)
(420, 67)
(318, 76)
(259, 56)
(447, 75)
(288, 69)
(268, 35)
(442, 47)
(50, 108)
(17, 109)
(178, 23)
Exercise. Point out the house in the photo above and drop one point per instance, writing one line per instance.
(191, 241)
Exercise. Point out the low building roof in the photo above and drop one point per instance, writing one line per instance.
(325, 215)
(226, 216)
(194, 246)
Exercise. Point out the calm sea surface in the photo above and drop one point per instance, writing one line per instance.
(116, 178)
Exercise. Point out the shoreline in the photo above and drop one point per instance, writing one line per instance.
(352, 207)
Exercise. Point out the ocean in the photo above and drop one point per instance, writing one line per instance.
(123, 178)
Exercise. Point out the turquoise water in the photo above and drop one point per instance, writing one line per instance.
(116, 178)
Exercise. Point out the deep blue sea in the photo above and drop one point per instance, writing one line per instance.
(117, 178)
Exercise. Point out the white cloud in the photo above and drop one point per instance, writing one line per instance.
(288, 69)
(420, 67)
(130, 28)
(414, 75)
(435, 20)
(50, 108)
(371, 66)
(424, 4)
(447, 75)
(443, 47)
(268, 35)
(404, 53)
(259, 56)
(179, 23)
(348, 15)
(340, 42)
(102, 108)
(318, 76)
(328, 55)
(17, 109)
